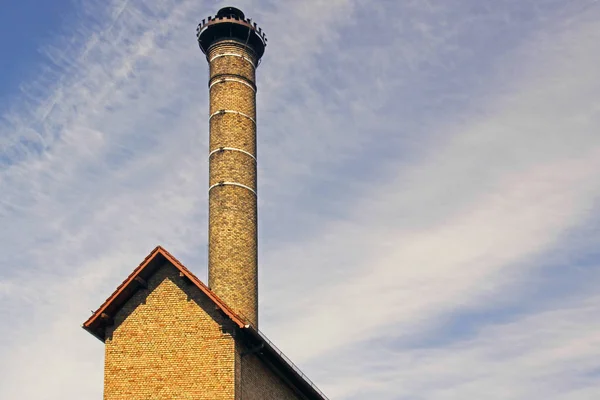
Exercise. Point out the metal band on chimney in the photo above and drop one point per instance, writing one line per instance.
(238, 80)
(231, 149)
(231, 112)
(232, 184)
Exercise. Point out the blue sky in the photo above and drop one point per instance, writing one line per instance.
(428, 187)
(28, 26)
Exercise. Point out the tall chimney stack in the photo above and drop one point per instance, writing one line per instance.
(233, 46)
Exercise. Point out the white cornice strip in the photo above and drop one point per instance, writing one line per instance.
(231, 112)
(233, 55)
(231, 149)
(232, 184)
(221, 80)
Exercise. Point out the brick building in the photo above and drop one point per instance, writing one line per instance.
(166, 334)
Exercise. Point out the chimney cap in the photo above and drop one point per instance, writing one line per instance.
(231, 12)
(230, 23)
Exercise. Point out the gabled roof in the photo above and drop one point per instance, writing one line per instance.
(102, 316)
(264, 348)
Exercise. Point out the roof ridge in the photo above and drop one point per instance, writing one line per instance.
(93, 325)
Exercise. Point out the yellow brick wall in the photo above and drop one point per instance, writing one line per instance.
(243, 65)
(167, 344)
(232, 95)
(232, 166)
(258, 382)
(232, 237)
(227, 128)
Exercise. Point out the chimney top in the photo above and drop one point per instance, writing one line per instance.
(230, 23)
(230, 12)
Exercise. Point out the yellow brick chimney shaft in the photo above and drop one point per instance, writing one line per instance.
(232, 238)
(233, 46)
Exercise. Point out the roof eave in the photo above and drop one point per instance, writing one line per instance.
(129, 286)
(284, 365)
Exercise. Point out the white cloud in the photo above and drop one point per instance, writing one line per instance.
(538, 355)
(393, 194)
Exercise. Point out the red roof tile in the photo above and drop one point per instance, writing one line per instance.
(125, 290)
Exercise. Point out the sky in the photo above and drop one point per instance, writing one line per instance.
(429, 201)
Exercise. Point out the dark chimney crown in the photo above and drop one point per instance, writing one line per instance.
(230, 23)
(230, 12)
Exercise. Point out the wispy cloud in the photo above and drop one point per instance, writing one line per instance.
(423, 167)
(549, 354)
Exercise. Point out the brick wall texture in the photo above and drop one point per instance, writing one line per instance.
(232, 253)
(167, 343)
(260, 383)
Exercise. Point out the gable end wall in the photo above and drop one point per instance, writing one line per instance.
(167, 343)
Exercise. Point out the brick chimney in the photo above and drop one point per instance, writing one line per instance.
(233, 46)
